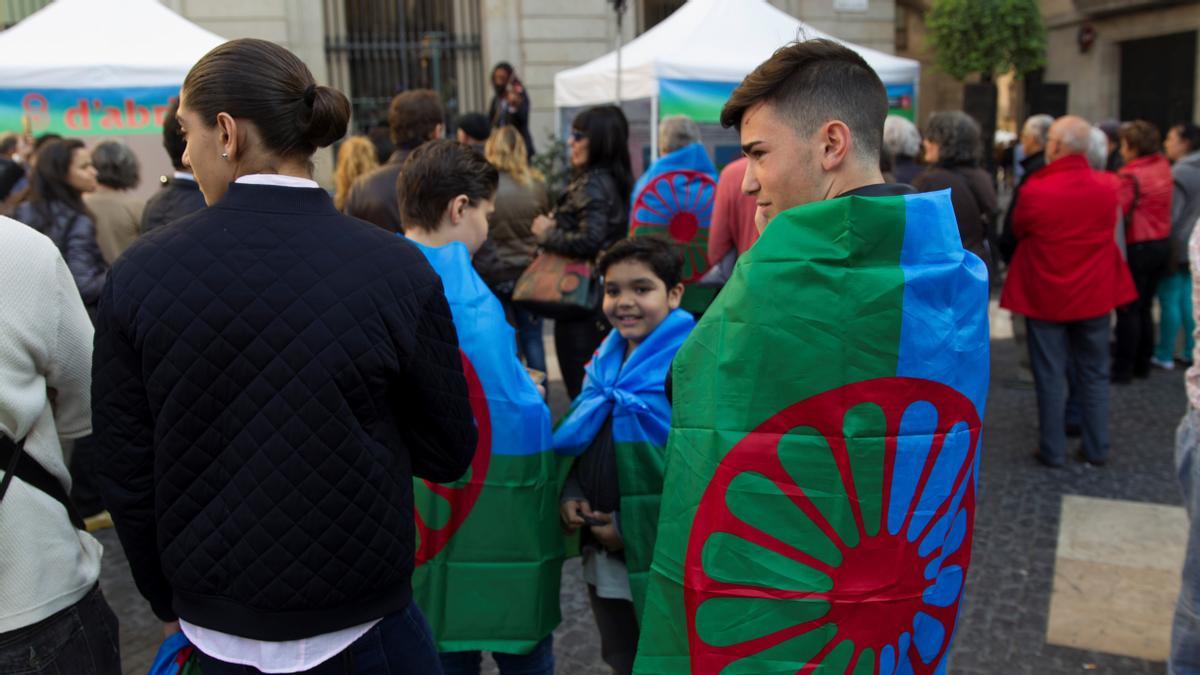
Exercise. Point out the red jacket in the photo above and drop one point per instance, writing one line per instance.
(733, 214)
(1067, 266)
(1146, 188)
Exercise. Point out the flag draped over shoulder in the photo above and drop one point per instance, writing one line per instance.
(674, 198)
(631, 391)
(824, 452)
(490, 553)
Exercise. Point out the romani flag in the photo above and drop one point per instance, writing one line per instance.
(674, 199)
(490, 551)
(824, 450)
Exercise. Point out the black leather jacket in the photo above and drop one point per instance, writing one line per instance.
(590, 216)
(74, 234)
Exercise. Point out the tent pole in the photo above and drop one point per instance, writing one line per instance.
(620, 11)
(654, 128)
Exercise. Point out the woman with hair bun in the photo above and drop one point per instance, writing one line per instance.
(271, 375)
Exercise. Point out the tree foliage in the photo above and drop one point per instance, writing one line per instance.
(989, 37)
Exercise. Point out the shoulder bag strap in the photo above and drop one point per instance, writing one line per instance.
(34, 474)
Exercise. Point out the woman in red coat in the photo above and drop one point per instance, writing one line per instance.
(1145, 195)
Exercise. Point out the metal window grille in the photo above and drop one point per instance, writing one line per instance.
(377, 49)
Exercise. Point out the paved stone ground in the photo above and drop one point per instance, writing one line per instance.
(1008, 594)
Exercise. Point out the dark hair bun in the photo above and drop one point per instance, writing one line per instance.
(325, 121)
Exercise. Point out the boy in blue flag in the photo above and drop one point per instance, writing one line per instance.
(618, 429)
(490, 554)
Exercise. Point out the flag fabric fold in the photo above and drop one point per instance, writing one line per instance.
(631, 392)
(490, 553)
(824, 450)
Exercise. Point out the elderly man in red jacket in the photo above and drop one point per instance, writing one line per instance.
(1066, 277)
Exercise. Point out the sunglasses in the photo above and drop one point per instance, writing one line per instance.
(578, 136)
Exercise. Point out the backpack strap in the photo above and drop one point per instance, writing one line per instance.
(35, 475)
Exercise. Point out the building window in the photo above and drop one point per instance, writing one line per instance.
(654, 11)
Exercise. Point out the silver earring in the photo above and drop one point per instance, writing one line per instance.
(225, 156)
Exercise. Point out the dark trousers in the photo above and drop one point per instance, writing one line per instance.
(1135, 323)
(400, 643)
(540, 661)
(85, 492)
(1082, 345)
(79, 640)
(618, 624)
(575, 340)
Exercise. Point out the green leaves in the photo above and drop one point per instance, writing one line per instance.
(989, 37)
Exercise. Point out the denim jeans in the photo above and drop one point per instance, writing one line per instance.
(529, 338)
(540, 661)
(79, 640)
(1185, 633)
(400, 643)
(1175, 300)
(1083, 345)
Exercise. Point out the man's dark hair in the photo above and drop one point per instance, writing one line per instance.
(1190, 133)
(413, 117)
(8, 144)
(813, 82)
(116, 165)
(475, 125)
(436, 173)
(44, 139)
(657, 253)
(173, 141)
(1142, 137)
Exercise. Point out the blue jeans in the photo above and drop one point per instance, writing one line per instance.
(529, 338)
(1185, 633)
(1175, 300)
(79, 640)
(540, 661)
(1083, 345)
(400, 643)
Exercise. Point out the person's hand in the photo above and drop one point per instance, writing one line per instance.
(607, 534)
(572, 512)
(170, 628)
(541, 227)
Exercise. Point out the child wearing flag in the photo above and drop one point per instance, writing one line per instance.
(490, 554)
(617, 428)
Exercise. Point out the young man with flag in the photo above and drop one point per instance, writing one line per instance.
(490, 553)
(821, 469)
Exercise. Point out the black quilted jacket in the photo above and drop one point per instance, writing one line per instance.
(269, 376)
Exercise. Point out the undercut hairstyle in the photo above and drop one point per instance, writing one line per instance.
(173, 141)
(116, 165)
(814, 82)
(1190, 134)
(1142, 137)
(677, 131)
(437, 172)
(264, 83)
(957, 137)
(901, 137)
(414, 117)
(656, 252)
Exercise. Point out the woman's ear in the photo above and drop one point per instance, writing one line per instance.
(227, 135)
(675, 296)
(456, 208)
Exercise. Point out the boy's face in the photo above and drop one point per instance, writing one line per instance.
(636, 300)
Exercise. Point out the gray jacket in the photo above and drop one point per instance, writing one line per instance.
(1185, 205)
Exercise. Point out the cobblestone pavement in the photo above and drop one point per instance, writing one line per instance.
(1008, 594)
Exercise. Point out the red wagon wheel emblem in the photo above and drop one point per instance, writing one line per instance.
(461, 496)
(836, 536)
(678, 205)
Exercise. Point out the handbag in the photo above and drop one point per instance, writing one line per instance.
(558, 287)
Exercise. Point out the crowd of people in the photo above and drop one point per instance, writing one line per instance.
(269, 388)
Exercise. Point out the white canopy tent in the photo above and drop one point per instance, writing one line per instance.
(99, 68)
(691, 61)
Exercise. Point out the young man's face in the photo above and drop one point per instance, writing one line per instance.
(636, 300)
(474, 224)
(784, 169)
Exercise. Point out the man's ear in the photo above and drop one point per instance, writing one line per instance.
(675, 296)
(455, 209)
(836, 143)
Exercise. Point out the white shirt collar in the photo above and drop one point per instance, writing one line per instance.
(277, 180)
(183, 175)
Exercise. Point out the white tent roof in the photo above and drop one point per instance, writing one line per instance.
(713, 40)
(101, 43)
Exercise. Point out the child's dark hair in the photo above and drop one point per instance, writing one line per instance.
(437, 172)
(657, 253)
